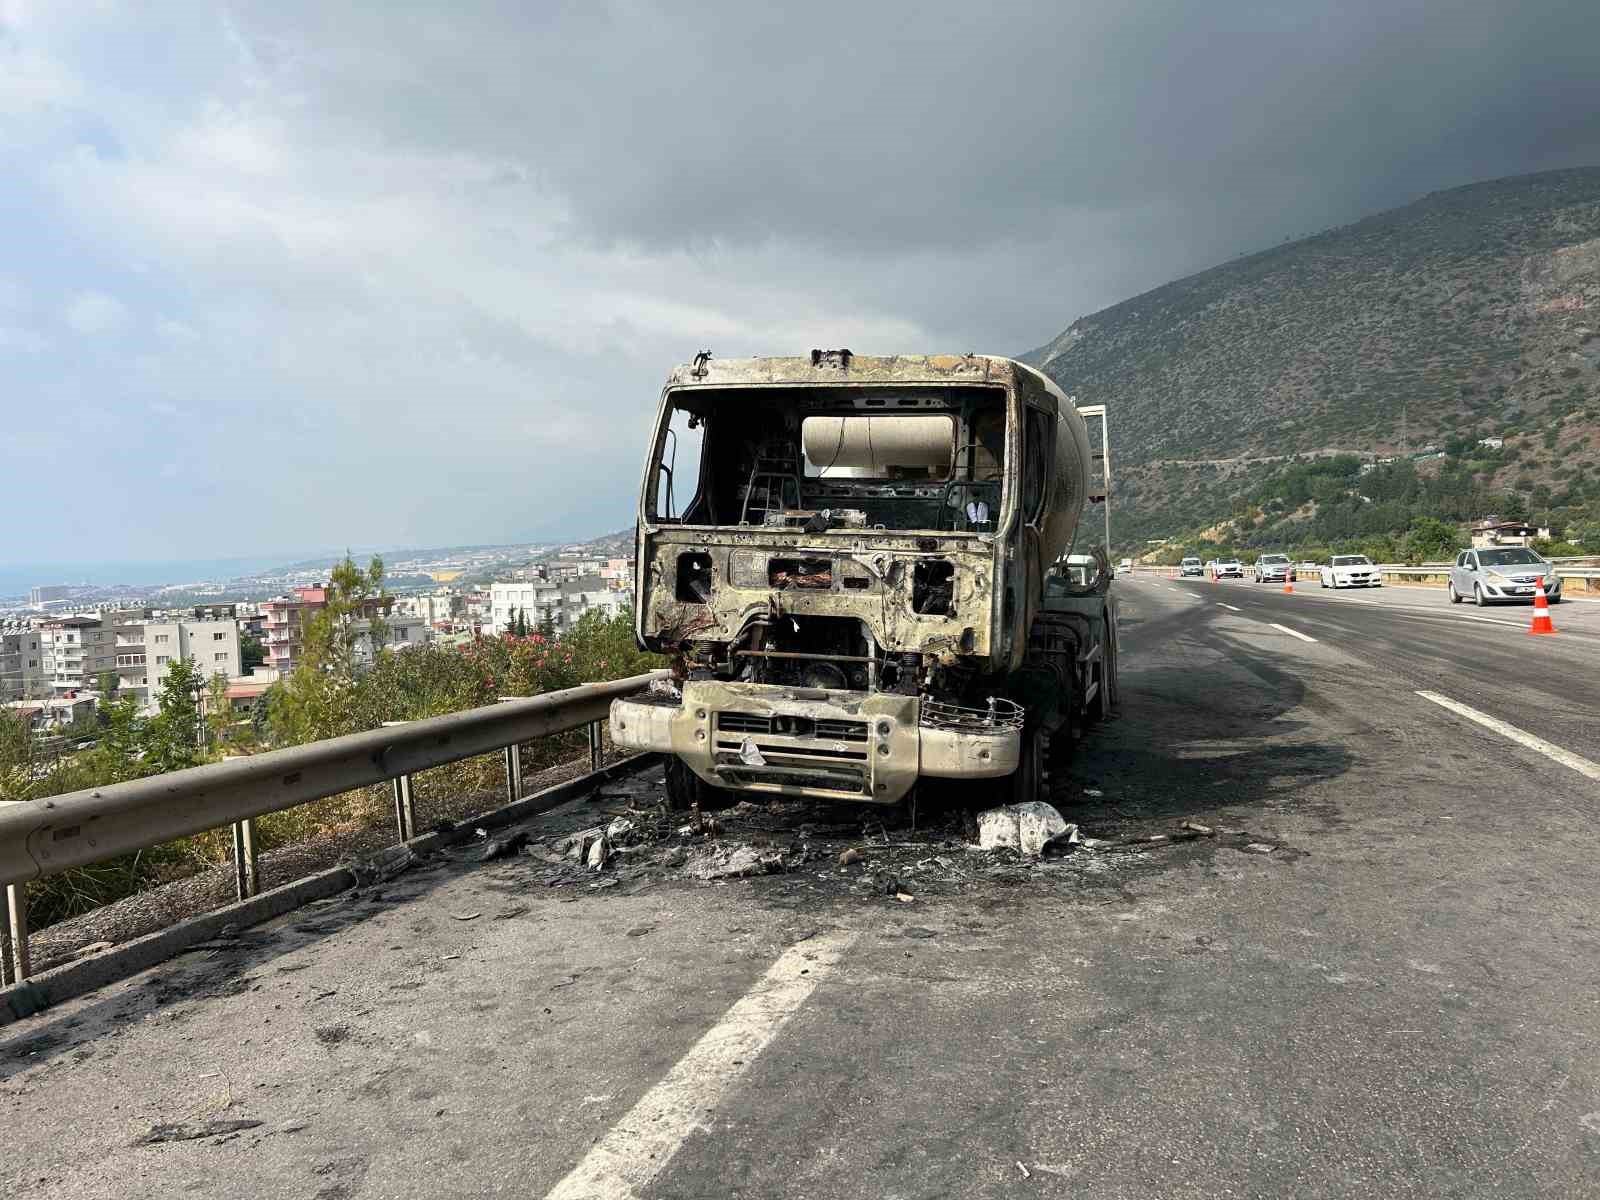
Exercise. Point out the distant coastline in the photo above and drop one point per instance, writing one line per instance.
(16, 578)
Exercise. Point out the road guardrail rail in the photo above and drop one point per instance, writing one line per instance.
(42, 837)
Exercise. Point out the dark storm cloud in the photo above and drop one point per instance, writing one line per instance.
(471, 238)
(891, 127)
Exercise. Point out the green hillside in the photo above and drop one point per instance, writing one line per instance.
(1470, 313)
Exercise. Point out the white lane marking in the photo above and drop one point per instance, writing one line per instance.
(1565, 757)
(1292, 632)
(1229, 607)
(635, 1149)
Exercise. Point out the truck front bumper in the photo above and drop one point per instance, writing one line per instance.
(839, 745)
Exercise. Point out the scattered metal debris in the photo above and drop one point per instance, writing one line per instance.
(1026, 827)
(719, 862)
(504, 846)
(798, 846)
(383, 866)
(190, 1131)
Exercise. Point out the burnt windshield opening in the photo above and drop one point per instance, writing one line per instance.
(814, 458)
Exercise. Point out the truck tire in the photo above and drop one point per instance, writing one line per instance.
(1028, 780)
(684, 787)
(1106, 697)
(1115, 683)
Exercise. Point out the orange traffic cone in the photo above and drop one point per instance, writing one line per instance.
(1288, 582)
(1541, 611)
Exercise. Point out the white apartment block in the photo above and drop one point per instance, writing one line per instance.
(76, 651)
(537, 598)
(562, 604)
(212, 646)
(403, 630)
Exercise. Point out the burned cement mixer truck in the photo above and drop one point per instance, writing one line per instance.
(862, 571)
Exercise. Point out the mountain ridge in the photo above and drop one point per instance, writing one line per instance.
(1470, 312)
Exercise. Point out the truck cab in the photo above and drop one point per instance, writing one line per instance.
(844, 557)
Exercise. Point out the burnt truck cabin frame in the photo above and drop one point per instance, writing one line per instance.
(754, 460)
(856, 542)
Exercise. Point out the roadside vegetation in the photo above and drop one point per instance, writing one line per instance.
(334, 691)
(1393, 513)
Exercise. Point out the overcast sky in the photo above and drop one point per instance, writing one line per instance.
(299, 274)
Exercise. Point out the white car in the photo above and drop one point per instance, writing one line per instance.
(1349, 570)
(1228, 568)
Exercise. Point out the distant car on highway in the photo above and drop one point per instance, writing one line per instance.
(1273, 568)
(1349, 570)
(1501, 573)
(1191, 566)
(1228, 568)
(1125, 566)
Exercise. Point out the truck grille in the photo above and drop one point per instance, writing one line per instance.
(784, 726)
(737, 722)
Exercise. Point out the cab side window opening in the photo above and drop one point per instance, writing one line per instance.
(677, 482)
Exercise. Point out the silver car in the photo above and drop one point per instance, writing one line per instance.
(1501, 573)
(1273, 568)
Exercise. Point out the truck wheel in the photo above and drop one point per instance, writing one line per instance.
(1028, 780)
(1114, 683)
(684, 787)
(1106, 697)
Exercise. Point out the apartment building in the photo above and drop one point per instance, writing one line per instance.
(212, 646)
(433, 609)
(537, 600)
(287, 617)
(76, 651)
(21, 664)
(561, 603)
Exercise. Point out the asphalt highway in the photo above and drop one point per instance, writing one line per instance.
(1379, 978)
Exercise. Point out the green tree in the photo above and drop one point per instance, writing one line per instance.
(252, 653)
(122, 741)
(108, 683)
(219, 710)
(171, 738)
(320, 699)
(1431, 540)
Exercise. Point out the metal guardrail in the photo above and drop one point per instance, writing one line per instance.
(45, 836)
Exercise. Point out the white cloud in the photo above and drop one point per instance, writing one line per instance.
(93, 313)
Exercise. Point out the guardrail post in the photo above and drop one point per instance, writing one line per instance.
(596, 755)
(513, 772)
(405, 813)
(5, 954)
(513, 765)
(246, 871)
(17, 913)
